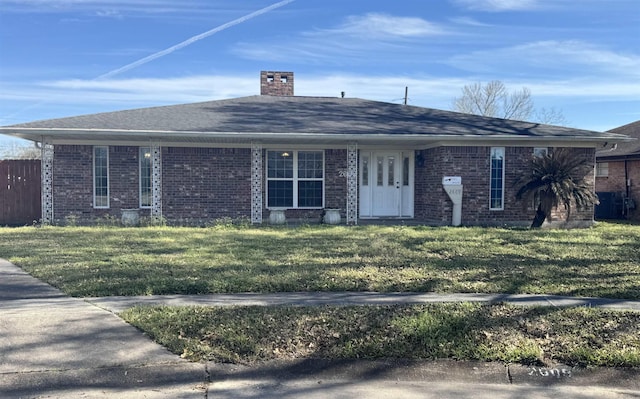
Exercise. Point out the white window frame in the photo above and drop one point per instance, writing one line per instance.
(540, 151)
(142, 152)
(295, 179)
(106, 148)
(602, 169)
(491, 181)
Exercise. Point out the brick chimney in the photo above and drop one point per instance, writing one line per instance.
(276, 83)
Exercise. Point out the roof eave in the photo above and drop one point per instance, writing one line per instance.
(618, 157)
(102, 135)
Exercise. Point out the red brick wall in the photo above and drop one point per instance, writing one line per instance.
(204, 184)
(472, 164)
(616, 182)
(431, 202)
(200, 185)
(276, 86)
(73, 183)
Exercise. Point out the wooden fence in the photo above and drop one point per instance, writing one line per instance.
(20, 192)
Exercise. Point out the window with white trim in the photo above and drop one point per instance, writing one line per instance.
(295, 179)
(496, 191)
(602, 169)
(145, 177)
(540, 152)
(100, 177)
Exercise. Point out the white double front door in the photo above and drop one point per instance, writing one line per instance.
(386, 184)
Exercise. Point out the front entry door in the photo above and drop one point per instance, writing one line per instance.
(386, 184)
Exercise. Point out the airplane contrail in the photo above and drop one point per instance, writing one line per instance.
(192, 40)
(169, 50)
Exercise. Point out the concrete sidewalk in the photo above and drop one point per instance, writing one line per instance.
(56, 347)
(53, 346)
(118, 304)
(440, 379)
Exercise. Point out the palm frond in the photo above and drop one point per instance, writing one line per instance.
(557, 178)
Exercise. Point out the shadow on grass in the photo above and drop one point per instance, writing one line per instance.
(111, 261)
(464, 331)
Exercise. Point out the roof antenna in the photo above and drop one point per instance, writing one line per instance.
(342, 94)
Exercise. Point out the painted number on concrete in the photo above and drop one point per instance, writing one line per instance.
(546, 372)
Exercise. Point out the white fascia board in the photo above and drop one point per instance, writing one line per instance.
(429, 140)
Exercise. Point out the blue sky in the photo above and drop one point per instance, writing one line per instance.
(68, 57)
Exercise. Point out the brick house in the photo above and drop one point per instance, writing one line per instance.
(618, 176)
(294, 157)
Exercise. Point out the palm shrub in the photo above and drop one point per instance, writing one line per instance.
(553, 179)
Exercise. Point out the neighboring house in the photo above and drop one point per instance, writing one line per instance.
(295, 157)
(618, 176)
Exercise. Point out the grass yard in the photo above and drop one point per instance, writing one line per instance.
(100, 261)
(600, 261)
(534, 336)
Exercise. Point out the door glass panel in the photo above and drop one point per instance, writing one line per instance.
(391, 172)
(405, 171)
(380, 171)
(365, 171)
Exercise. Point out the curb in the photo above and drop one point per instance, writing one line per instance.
(436, 370)
(121, 381)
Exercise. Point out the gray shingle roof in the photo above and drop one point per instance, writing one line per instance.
(306, 115)
(630, 149)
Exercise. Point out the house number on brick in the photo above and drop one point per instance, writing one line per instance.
(546, 372)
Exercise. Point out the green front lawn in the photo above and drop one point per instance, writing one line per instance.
(576, 337)
(600, 261)
(99, 261)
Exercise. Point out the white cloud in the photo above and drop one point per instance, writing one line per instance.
(212, 87)
(586, 88)
(129, 6)
(577, 57)
(66, 5)
(538, 5)
(364, 38)
(18, 101)
(174, 90)
(469, 22)
(424, 91)
(109, 14)
(498, 5)
(374, 25)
